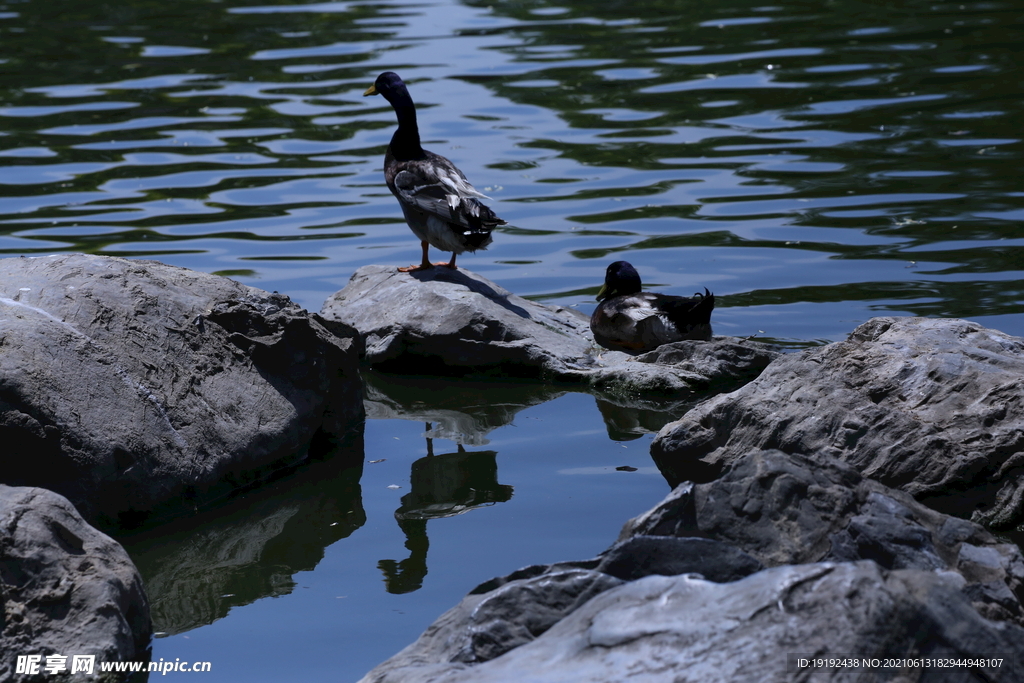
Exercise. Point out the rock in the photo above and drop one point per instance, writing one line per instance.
(443, 321)
(65, 588)
(508, 612)
(485, 626)
(857, 569)
(668, 629)
(639, 556)
(791, 509)
(932, 407)
(134, 388)
(697, 366)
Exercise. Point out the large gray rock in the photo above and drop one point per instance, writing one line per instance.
(487, 625)
(65, 588)
(133, 386)
(790, 509)
(683, 628)
(932, 407)
(443, 321)
(503, 614)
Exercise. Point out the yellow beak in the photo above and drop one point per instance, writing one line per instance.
(372, 90)
(602, 293)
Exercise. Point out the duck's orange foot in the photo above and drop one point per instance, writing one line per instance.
(414, 268)
(448, 265)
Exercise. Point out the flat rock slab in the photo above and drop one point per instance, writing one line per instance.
(134, 386)
(932, 407)
(683, 628)
(791, 509)
(65, 588)
(442, 321)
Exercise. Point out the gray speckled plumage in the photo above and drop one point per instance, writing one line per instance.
(630, 319)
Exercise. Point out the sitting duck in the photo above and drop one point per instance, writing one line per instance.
(439, 204)
(628, 319)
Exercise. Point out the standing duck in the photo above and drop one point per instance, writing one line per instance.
(439, 204)
(628, 318)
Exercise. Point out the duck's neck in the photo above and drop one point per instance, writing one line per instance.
(405, 143)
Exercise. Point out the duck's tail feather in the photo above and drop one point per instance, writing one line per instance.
(480, 216)
(480, 220)
(685, 313)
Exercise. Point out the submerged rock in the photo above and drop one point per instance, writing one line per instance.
(65, 588)
(134, 386)
(441, 321)
(932, 407)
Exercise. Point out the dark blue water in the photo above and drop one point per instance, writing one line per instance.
(812, 164)
(565, 499)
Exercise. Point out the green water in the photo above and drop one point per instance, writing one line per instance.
(814, 164)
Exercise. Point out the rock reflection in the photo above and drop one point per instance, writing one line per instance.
(627, 421)
(196, 569)
(442, 486)
(463, 411)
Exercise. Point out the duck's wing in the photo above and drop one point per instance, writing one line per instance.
(625, 322)
(644, 321)
(434, 186)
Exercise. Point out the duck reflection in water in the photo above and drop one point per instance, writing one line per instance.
(443, 485)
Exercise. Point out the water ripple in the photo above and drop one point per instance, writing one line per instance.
(736, 146)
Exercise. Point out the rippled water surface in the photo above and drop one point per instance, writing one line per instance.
(813, 163)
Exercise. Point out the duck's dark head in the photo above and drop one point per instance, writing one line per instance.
(620, 279)
(405, 143)
(391, 86)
